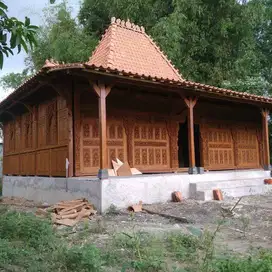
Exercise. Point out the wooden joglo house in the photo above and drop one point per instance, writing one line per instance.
(129, 102)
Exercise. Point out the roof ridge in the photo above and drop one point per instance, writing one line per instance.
(131, 26)
(110, 56)
(127, 25)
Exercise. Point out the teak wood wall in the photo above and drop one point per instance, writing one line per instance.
(141, 129)
(36, 143)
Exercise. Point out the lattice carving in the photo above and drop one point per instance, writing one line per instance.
(246, 147)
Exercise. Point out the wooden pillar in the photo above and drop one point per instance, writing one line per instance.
(265, 137)
(77, 132)
(102, 92)
(71, 142)
(190, 103)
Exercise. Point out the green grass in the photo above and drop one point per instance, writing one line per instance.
(30, 244)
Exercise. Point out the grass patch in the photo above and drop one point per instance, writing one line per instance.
(30, 244)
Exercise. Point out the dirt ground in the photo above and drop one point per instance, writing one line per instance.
(247, 226)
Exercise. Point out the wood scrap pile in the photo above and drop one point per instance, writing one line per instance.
(122, 169)
(69, 213)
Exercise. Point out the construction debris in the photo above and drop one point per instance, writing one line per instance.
(268, 181)
(176, 196)
(68, 213)
(217, 195)
(122, 169)
(136, 208)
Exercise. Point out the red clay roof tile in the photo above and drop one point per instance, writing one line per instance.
(126, 47)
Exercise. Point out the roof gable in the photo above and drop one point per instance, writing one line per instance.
(126, 47)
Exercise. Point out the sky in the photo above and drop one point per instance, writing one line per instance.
(34, 10)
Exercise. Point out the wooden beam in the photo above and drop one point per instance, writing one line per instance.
(77, 132)
(102, 92)
(265, 136)
(190, 103)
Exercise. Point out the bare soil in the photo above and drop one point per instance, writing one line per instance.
(248, 226)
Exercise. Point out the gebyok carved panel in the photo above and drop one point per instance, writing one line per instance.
(218, 145)
(247, 148)
(151, 146)
(116, 143)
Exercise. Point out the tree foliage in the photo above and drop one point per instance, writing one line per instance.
(61, 38)
(14, 34)
(209, 41)
(13, 80)
(226, 43)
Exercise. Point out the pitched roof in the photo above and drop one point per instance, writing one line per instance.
(126, 47)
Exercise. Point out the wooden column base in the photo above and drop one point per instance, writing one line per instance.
(103, 174)
(195, 170)
(192, 171)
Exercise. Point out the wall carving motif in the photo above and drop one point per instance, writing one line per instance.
(36, 143)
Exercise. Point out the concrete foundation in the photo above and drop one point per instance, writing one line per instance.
(124, 191)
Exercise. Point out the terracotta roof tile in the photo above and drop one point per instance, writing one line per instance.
(126, 47)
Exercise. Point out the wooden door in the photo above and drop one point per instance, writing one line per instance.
(116, 143)
(218, 149)
(246, 148)
(151, 146)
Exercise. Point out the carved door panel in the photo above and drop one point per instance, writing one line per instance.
(219, 149)
(89, 146)
(151, 146)
(246, 148)
(117, 142)
(90, 158)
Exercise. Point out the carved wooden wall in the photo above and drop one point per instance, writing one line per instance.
(89, 161)
(36, 142)
(246, 148)
(145, 144)
(229, 146)
(151, 146)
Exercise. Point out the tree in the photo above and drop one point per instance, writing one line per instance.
(209, 41)
(254, 85)
(61, 38)
(14, 34)
(13, 80)
(264, 38)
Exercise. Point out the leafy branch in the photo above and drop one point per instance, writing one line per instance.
(14, 34)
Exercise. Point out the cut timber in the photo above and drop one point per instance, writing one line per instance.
(119, 162)
(41, 212)
(68, 216)
(124, 170)
(67, 212)
(116, 165)
(77, 207)
(176, 196)
(135, 171)
(66, 222)
(111, 173)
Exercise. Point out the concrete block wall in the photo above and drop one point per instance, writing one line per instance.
(125, 191)
(52, 190)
